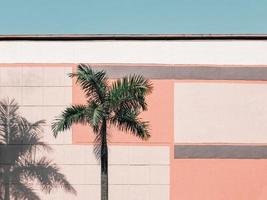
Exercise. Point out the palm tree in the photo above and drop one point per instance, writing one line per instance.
(20, 140)
(118, 103)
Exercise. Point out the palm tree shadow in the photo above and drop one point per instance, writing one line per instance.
(20, 140)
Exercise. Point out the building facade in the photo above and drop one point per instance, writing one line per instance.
(207, 112)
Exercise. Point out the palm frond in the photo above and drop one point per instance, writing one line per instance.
(95, 115)
(93, 83)
(127, 120)
(129, 92)
(71, 115)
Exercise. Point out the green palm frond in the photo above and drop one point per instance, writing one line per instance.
(71, 115)
(127, 120)
(129, 92)
(117, 104)
(95, 115)
(92, 114)
(93, 83)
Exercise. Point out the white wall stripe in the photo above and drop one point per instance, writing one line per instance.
(169, 52)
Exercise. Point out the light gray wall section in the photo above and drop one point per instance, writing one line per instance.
(196, 73)
(220, 151)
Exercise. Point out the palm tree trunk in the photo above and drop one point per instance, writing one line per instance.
(104, 162)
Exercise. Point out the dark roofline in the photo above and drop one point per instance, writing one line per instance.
(65, 37)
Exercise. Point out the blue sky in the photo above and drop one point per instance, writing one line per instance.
(132, 16)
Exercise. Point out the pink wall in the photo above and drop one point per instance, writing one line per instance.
(159, 114)
(190, 179)
(211, 179)
(219, 179)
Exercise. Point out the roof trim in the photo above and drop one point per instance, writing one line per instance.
(65, 37)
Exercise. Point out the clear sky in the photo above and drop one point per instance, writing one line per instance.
(132, 16)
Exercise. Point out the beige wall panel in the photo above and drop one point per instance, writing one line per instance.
(148, 155)
(32, 96)
(140, 192)
(159, 192)
(62, 138)
(119, 192)
(84, 192)
(126, 178)
(119, 155)
(35, 113)
(159, 155)
(57, 96)
(10, 76)
(67, 79)
(32, 113)
(74, 154)
(57, 76)
(138, 174)
(138, 155)
(50, 113)
(159, 175)
(154, 192)
(32, 76)
(33, 79)
(68, 95)
(81, 174)
(119, 174)
(11, 93)
(220, 112)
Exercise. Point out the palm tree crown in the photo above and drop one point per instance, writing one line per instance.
(19, 142)
(118, 103)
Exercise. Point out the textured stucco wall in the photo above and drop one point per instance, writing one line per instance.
(43, 91)
(189, 106)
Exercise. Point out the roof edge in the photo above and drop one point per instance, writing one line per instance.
(48, 37)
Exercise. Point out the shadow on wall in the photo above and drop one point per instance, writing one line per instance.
(20, 168)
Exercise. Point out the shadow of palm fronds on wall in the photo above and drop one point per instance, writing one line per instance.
(20, 169)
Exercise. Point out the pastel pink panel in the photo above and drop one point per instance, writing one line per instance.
(219, 179)
(159, 114)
